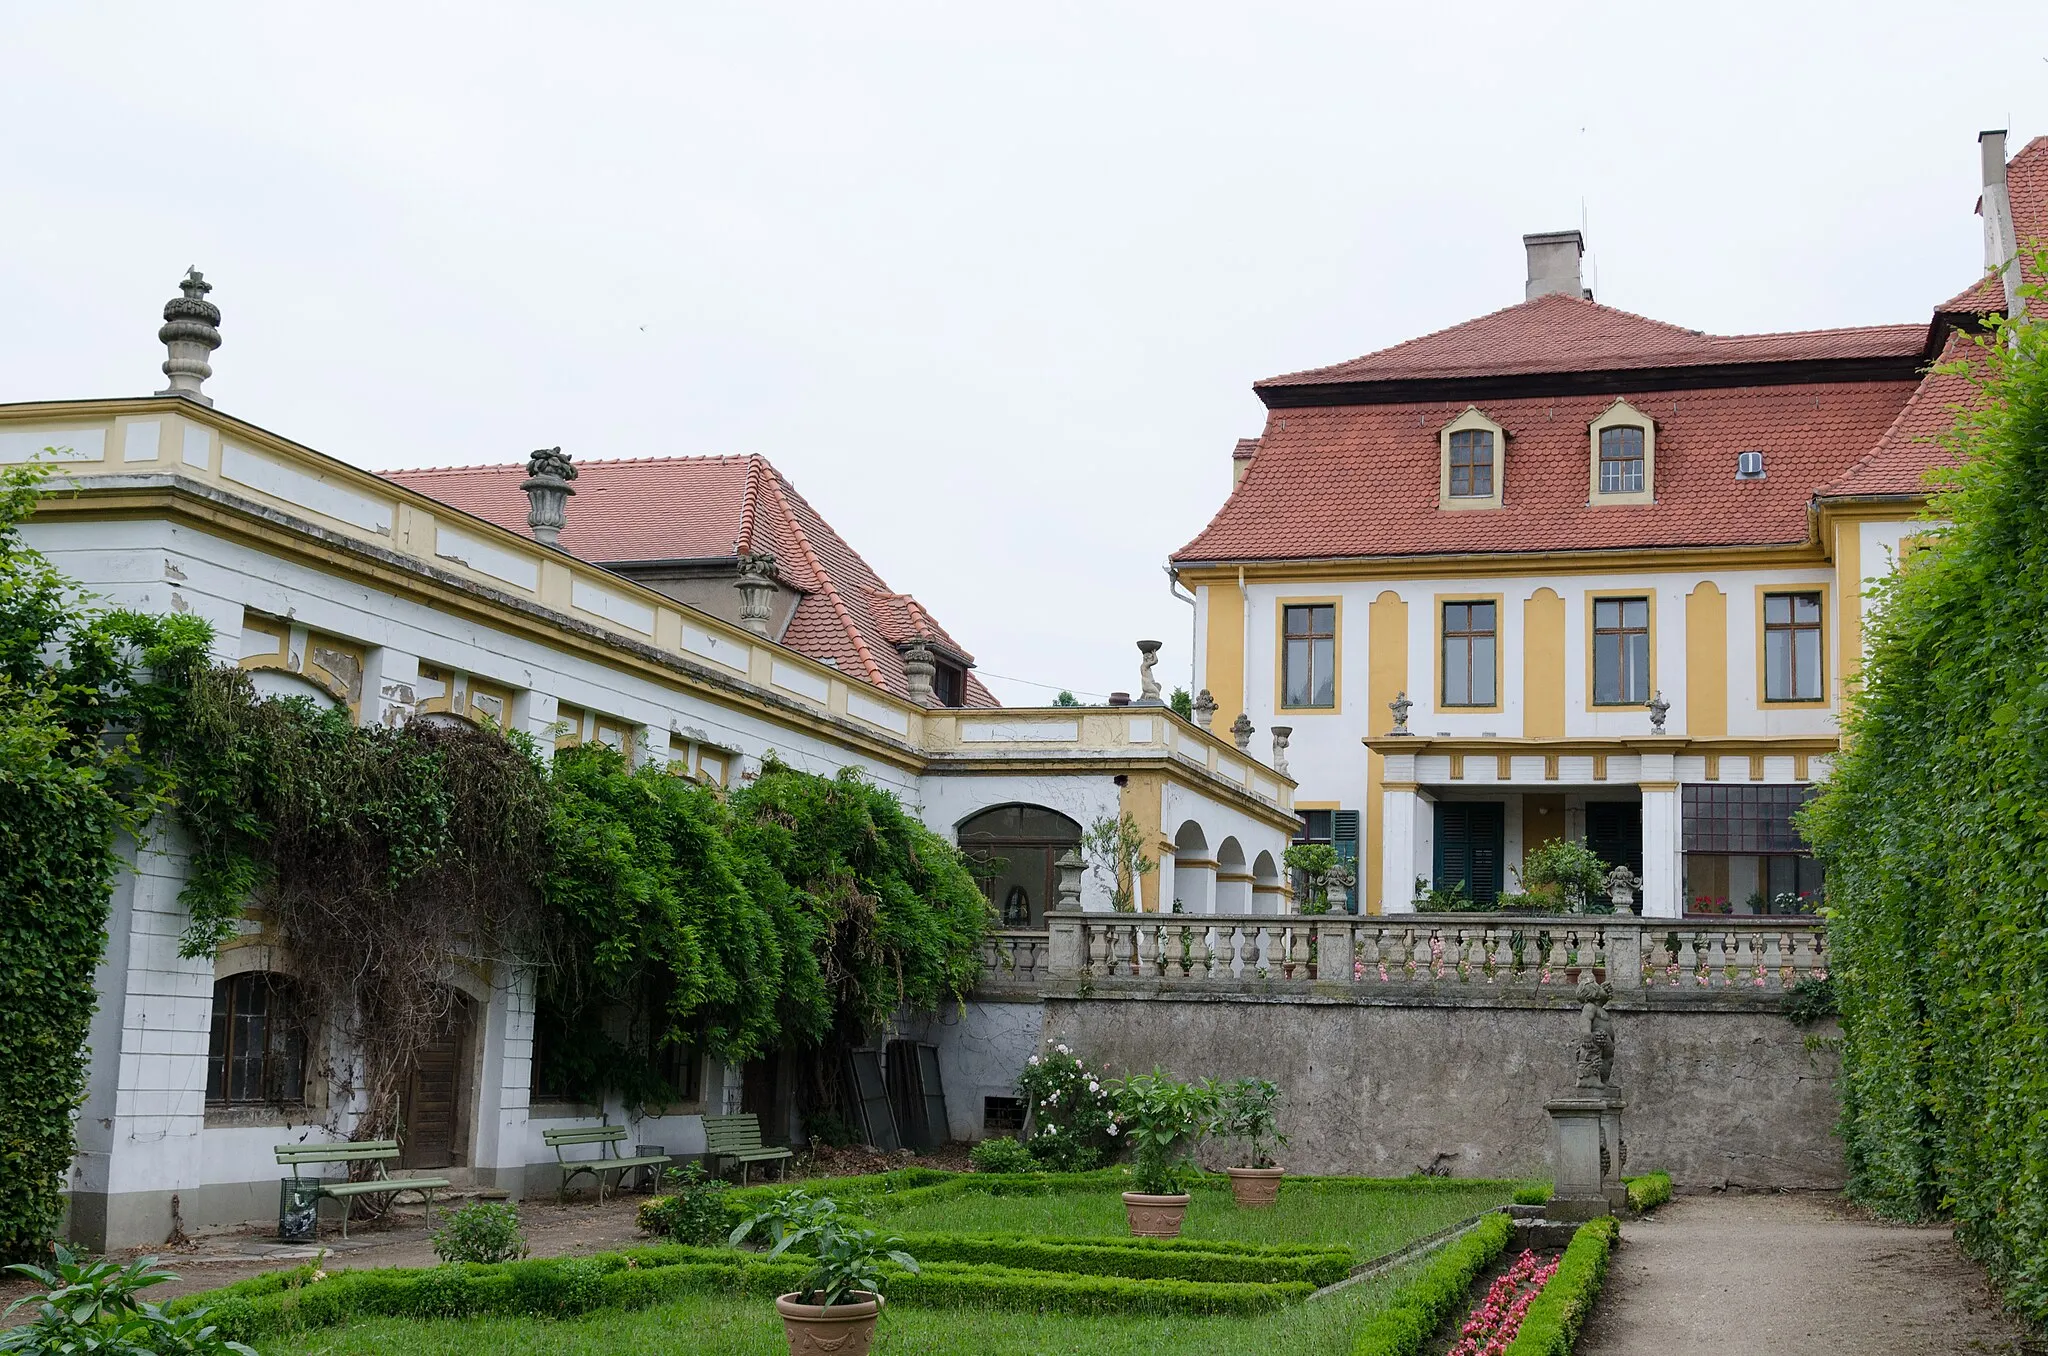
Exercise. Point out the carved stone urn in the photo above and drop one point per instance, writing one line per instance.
(1255, 1188)
(840, 1330)
(1155, 1216)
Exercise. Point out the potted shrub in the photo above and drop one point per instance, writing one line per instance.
(1163, 1120)
(1245, 1115)
(836, 1307)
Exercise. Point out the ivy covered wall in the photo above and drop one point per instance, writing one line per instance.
(1934, 827)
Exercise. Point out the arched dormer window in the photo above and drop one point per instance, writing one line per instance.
(1623, 447)
(1470, 450)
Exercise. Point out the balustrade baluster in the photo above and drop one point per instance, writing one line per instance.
(1715, 972)
(1688, 957)
(1774, 960)
(1500, 962)
(1804, 961)
(1747, 960)
(1369, 952)
(1554, 963)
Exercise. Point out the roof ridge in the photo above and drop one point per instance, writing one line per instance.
(750, 502)
(594, 461)
(1900, 325)
(825, 584)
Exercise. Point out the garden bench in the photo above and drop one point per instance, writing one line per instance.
(377, 1152)
(607, 1139)
(739, 1139)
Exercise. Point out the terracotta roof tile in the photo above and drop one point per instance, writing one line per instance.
(1246, 449)
(1559, 333)
(1362, 480)
(689, 508)
(1912, 446)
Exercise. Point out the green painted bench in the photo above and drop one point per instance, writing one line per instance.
(739, 1138)
(608, 1160)
(377, 1152)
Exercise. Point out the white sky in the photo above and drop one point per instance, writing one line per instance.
(990, 284)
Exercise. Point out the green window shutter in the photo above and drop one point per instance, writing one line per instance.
(1468, 847)
(1344, 837)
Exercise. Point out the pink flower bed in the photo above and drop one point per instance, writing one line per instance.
(1498, 1317)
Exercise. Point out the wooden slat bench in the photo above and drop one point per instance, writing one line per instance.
(377, 1152)
(607, 1138)
(739, 1138)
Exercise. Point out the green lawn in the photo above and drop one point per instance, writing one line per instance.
(749, 1327)
(1370, 1220)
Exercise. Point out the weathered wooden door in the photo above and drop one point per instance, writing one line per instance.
(433, 1122)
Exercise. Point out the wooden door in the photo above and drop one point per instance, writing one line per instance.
(432, 1119)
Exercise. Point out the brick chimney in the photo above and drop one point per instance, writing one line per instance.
(1554, 264)
(2001, 237)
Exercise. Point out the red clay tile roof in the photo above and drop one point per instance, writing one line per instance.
(694, 508)
(2026, 185)
(1362, 480)
(1246, 449)
(1911, 447)
(1560, 333)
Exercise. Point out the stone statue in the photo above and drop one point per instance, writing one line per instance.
(1204, 708)
(1148, 686)
(1593, 1049)
(548, 473)
(1241, 730)
(1400, 706)
(1659, 708)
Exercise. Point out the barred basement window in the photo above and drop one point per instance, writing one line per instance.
(1002, 1115)
(257, 1053)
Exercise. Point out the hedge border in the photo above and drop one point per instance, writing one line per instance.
(1418, 1308)
(1552, 1323)
(1108, 1257)
(1647, 1192)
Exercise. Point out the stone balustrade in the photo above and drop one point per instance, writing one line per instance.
(1649, 958)
(1012, 959)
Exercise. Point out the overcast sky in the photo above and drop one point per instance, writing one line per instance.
(989, 284)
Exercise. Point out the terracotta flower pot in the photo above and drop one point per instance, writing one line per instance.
(1255, 1187)
(1155, 1216)
(841, 1330)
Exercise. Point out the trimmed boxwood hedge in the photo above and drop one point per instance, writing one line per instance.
(1420, 1306)
(1649, 1191)
(1552, 1323)
(1107, 1257)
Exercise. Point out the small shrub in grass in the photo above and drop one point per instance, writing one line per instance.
(1649, 1191)
(695, 1210)
(1553, 1321)
(1002, 1155)
(87, 1306)
(1420, 1306)
(1533, 1193)
(1071, 1107)
(482, 1231)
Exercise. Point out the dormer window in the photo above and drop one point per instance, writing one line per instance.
(1624, 456)
(1470, 449)
(1621, 460)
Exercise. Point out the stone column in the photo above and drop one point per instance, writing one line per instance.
(1663, 862)
(1333, 950)
(1401, 814)
(1583, 1159)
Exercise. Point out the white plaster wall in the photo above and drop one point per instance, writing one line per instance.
(946, 800)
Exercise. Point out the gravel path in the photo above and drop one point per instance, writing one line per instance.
(1789, 1276)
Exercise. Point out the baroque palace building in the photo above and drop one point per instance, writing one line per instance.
(1567, 571)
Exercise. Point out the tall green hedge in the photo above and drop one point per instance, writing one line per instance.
(1934, 828)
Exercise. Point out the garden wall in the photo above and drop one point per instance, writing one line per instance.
(1723, 1091)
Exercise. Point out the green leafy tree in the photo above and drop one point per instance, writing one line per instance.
(1066, 698)
(1567, 876)
(1934, 829)
(1114, 848)
(1183, 705)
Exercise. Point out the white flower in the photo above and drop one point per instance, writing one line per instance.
(1112, 1127)
(1034, 1059)
(1094, 1086)
(1051, 1130)
(1063, 1049)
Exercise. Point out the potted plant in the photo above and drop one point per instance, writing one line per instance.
(1245, 1115)
(1163, 1120)
(836, 1307)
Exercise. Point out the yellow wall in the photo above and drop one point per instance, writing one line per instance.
(1849, 589)
(1706, 660)
(1224, 673)
(1543, 666)
(1386, 676)
(1142, 797)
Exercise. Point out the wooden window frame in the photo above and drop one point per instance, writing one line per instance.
(1593, 601)
(1622, 465)
(278, 1012)
(1621, 414)
(1465, 457)
(1471, 421)
(1336, 638)
(1443, 601)
(1764, 628)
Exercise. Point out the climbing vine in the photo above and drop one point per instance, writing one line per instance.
(1934, 827)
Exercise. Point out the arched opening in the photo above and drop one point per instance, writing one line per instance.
(1233, 879)
(270, 682)
(1194, 870)
(1017, 846)
(1269, 890)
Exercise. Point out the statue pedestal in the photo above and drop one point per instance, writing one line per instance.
(1586, 1143)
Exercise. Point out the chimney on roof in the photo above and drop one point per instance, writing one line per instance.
(2001, 242)
(191, 333)
(1554, 264)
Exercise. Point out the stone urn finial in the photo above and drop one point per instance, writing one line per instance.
(757, 589)
(1281, 733)
(1241, 730)
(1204, 709)
(1069, 865)
(191, 333)
(920, 666)
(1659, 708)
(548, 473)
(1400, 706)
(1148, 686)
